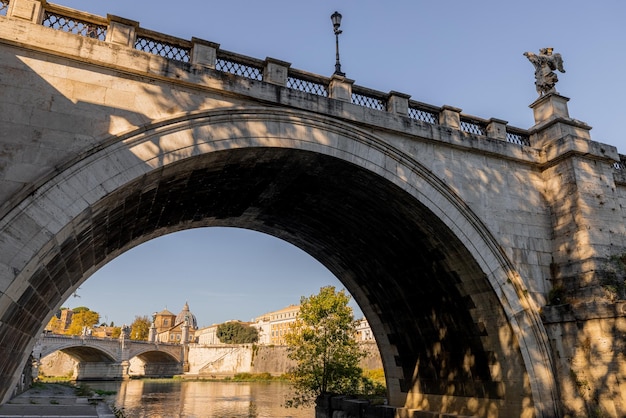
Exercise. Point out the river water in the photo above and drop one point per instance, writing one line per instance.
(201, 399)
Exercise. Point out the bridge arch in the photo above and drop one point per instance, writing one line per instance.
(149, 362)
(80, 351)
(82, 358)
(454, 327)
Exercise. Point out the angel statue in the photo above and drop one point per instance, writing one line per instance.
(545, 63)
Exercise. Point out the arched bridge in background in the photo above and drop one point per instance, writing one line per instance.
(108, 358)
(488, 259)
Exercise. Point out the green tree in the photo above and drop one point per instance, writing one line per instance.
(81, 318)
(235, 332)
(321, 342)
(140, 328)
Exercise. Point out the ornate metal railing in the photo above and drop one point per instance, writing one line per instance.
(369, 98)
(423, 112)
(4, 7)
(308, 83)
(517, 136)
(473, 125)
(180, 50)
(71, 21)
(166, 46)
(240, 65)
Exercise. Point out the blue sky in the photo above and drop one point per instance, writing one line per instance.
(459, 53)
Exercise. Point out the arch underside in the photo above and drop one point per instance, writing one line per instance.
(437, 321)
(86, 354)
(445, 305)
(157, 357)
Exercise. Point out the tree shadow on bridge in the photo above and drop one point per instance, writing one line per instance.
(446, 342)
(56, 111)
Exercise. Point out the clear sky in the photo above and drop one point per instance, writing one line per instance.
(466, 54)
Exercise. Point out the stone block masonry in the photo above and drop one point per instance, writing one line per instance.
(488, 259)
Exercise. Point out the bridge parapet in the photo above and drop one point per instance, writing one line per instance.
(139, 347)
(198, 54)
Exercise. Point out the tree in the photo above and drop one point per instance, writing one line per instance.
(321, 342)
(140, 328)
(82, 317)
(235, 332)
(117, 331)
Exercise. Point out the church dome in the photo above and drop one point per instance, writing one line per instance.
(185, 313)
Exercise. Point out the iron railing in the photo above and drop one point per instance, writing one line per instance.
(517, 136)
(4, 7)
(77, 23)
(176, 49)
(240, 65)
(473, 125)
(423, 112)
(169, 47)
(308, 83)
(369, 98)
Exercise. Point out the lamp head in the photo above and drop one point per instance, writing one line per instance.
(336, 19)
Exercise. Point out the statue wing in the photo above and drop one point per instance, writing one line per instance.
(558, 60)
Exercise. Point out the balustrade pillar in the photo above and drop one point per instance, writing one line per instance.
(203, 53)
(31, 10)
(340, 88)
(398, 103)
(450, 117)
(122, 31)
(276, 71)
(497, 129)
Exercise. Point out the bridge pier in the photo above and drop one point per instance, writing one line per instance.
(124, 369)
(101, 371)
(584, 314)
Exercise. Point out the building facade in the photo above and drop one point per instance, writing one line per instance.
(363, 331)
(273, 326)
(170, 328)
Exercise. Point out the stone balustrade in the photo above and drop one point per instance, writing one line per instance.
(199, 54)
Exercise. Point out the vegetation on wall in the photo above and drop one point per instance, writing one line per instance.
(235, 332)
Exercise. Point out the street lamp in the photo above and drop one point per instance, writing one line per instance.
(336, 19)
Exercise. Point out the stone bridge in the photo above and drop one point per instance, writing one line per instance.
(489, 260)
(108, 359)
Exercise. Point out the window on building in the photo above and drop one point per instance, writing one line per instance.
(166, 322)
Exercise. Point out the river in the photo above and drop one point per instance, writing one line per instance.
(165, 398)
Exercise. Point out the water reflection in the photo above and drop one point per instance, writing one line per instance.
(174, 398)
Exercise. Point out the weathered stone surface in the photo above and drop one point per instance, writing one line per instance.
(454, 244)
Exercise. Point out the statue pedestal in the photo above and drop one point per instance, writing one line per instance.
(553, 124)
(550, 106)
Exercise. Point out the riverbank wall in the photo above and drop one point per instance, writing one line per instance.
(213, 360)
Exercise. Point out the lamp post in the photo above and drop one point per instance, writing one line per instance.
(336, 19)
